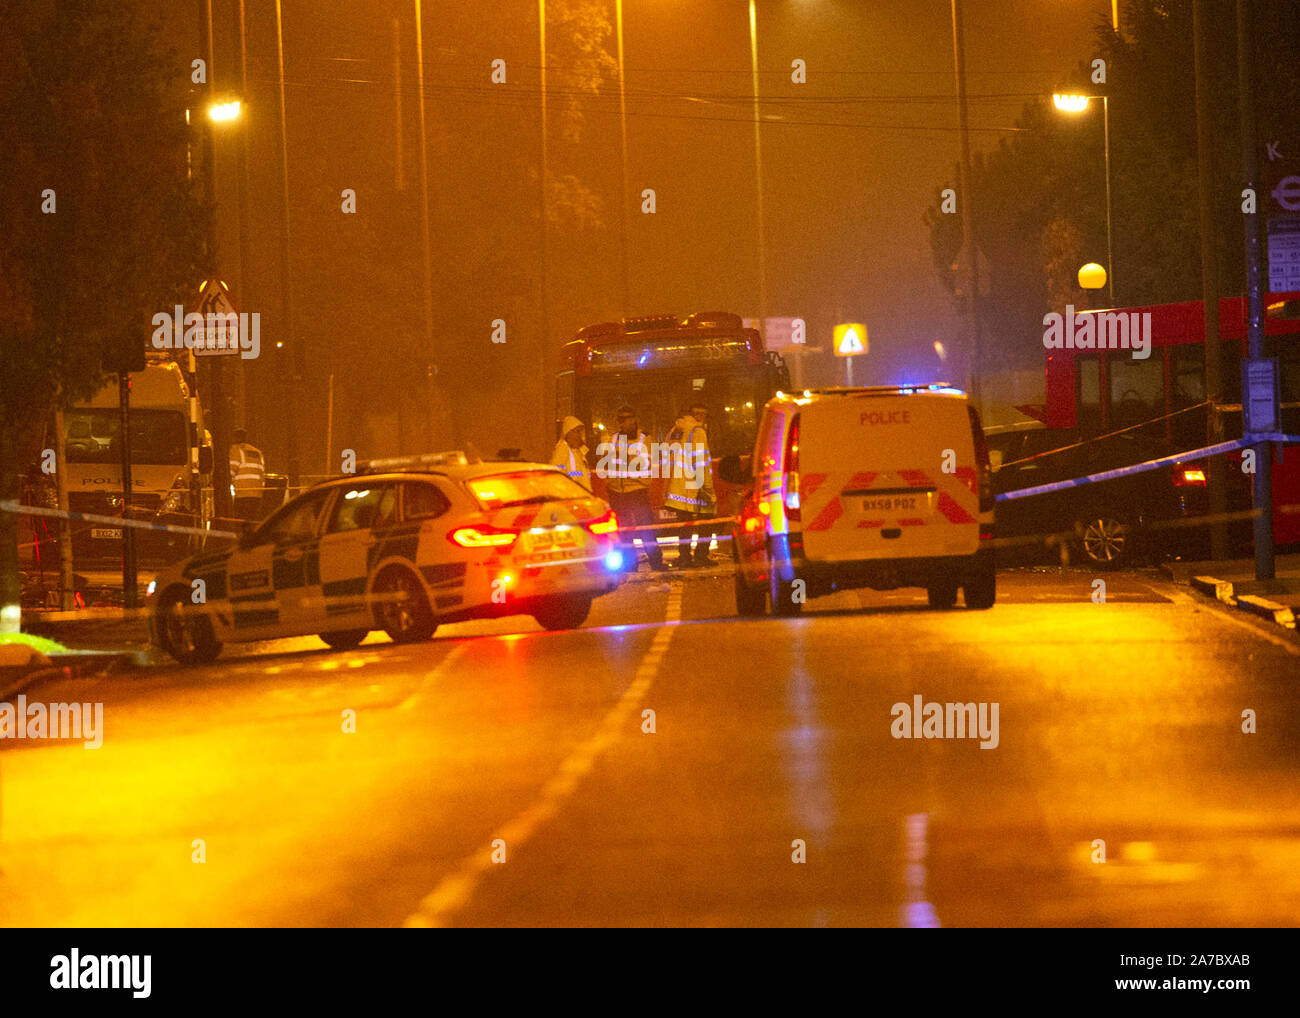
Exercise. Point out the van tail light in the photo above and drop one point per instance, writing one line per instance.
(982, 465)
(607, 524)
(483, 536)
(1187, 476)
(793, 510)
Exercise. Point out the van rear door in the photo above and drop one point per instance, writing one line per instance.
(888, 476)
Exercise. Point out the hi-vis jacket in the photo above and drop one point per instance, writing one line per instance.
(247, 469)
(690, 485)
(628, 469)
(573, 462)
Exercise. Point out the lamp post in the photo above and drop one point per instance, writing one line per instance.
(622, 112)
(758, 175)
(1078, 104)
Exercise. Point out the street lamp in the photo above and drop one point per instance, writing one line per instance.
(1073, 103)
(222, 111)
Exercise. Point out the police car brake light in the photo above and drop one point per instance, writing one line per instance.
(483, 537)
(607, 524)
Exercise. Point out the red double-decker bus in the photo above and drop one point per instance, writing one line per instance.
(660, 365)
(1100, 391)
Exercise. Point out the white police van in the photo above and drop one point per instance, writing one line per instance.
(404, 546)
(883, 487)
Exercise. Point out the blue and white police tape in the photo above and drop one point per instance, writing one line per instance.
(113, 521)
(1138, 468)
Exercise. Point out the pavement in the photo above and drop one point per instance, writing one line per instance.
(1233, 582)
(669, 764)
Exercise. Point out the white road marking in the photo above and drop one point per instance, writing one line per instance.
(437, 673)
(454, 891)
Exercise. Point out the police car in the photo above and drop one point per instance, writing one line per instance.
(403, 546)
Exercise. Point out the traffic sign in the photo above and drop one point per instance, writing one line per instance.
(850, 339)
(220, 335)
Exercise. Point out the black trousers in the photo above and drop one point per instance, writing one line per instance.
(684, 537)
(633, 510)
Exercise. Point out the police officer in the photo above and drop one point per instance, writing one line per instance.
(628, 484)
(570, 453)
(247, 476)
(690, 488)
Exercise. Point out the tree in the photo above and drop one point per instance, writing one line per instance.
(1040, 196)
(100, 228)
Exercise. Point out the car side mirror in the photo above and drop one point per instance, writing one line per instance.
(205, 459)
(732, 471)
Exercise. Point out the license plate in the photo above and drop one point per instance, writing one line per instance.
(106, 534)
(549, 556)
(891, 503)
(566, 537)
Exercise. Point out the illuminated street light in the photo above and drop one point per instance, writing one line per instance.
(224, 111)
(1070, 103)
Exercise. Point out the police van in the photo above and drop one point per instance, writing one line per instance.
(882, 487)
(403, 546)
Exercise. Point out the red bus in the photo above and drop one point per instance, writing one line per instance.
(1100, 391)
(661, 364)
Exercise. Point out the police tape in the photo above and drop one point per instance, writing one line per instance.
(113, 521)
(714, 522)
(1217, 449)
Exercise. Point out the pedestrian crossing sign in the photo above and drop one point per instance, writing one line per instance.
(850, 339)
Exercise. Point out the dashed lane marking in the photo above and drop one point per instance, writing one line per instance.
(440, 670)
(454, 892)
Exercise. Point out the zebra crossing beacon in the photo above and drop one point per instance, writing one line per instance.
(403, 546)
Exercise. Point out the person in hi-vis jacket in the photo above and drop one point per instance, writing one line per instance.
(570, 453)
(247, 476)
(690, 486)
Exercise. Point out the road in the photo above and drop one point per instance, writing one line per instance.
(502, 775)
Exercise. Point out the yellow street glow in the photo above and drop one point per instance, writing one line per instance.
(224, 111)
(1070, 103)
(1092, 276)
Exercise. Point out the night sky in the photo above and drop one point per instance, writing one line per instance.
(851, 159)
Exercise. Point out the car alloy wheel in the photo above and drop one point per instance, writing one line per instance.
(401, 609)
(1105, 540)
(185, 633)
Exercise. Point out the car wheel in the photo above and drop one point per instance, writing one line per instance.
(1105, 540)
(563, 612)
(183, 631)
(781, 593)
(345, 639)
(401, 609)
(750, 601)
(943, 595)
(981, 589)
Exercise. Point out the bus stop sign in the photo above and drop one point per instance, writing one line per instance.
(1259, 394)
